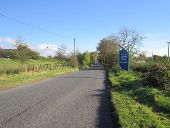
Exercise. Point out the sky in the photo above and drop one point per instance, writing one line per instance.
(86, 20)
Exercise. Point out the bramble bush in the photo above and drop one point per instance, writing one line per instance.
(140, 68)
(157, 76)
(154, 74)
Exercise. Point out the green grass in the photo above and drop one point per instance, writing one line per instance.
(13, 80)
(136, 105)
(134, 115)
(16, 62)
(12, 66)
(12, 73)
(153, 98)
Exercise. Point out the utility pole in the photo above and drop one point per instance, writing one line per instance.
(74, 48)
(75, 57)
(168, 50)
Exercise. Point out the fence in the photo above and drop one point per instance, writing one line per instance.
(16, 69)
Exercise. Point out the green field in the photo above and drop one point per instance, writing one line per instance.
(138, 105)
(10, 66)
(12, 73)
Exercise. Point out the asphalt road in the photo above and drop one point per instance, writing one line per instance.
(74, 100)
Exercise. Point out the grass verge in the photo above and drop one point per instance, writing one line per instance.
(13, 80)
(138, 106)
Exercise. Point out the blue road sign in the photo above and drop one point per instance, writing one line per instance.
(124, 59)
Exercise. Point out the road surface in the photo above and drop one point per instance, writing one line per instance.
(74, 100)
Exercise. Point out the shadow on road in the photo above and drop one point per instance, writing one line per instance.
(105, 119)
(104, 111)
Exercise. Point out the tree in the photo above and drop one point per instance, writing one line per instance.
(6, 53)
(93, 57)
(80, 58)
(61, 53)
(108, 51)
(156, 58)
(22, 51)
(34, 55)
(128, 39)
(86, 58)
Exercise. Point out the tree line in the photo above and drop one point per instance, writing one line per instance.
(22, 52)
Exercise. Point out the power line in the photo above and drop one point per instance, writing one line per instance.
(29, 25)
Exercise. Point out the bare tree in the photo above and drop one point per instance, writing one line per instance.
(128, 39)
(61, 53)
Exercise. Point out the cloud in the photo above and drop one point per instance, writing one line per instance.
(155, 51)
(1, 47)
(45, 49)
(48, 47)
(7, 40)
(155, 43)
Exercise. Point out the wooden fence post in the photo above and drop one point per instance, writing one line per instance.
(40, 67)
(37, 68)
(25, 68)
(33, 67)
(52, 66)
(4, 70)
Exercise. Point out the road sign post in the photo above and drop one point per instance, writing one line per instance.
(124, 59)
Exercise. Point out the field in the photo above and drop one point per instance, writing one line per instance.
(12, 73)
(10, 66)
(138, 105)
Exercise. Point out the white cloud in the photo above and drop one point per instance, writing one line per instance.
(7, 40)
(156, 44)
(1, 46)
(48, 47)
(155, 51)
(45, 49)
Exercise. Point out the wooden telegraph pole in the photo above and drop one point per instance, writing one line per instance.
(74, 48)
(168, 50)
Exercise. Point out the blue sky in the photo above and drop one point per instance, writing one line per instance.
(87, 20)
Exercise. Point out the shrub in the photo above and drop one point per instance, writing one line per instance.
(157, 76)
(116, 69)
(142, 68)
(86, 59)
